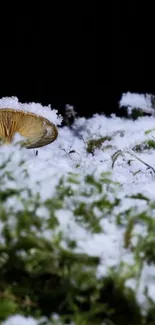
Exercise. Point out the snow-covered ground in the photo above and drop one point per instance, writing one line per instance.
(69, 154)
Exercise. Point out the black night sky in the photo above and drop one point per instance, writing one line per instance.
(78, 55)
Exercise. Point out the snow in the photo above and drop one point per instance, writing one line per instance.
(69, 151)
(136, 100)
(140, 101)
(20, 320)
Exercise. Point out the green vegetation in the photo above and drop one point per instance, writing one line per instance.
(94, 144)
(146, 145)
(43, 274)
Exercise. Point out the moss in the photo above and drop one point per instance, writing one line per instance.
(146, 145)
(96, 143)
(151, 144)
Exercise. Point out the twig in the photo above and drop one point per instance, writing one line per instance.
(142, 161)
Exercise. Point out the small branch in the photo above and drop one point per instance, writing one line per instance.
(142, 161)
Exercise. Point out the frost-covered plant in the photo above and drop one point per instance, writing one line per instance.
(83, 254)
(42, 270)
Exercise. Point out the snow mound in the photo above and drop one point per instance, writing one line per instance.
(20, 320)
(140, 101)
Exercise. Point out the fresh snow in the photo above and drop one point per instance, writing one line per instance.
(68, 151)
(20, 320)
(139, 101)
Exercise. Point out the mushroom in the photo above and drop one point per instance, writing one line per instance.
(37, 130)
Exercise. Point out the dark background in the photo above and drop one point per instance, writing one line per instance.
(77, 55)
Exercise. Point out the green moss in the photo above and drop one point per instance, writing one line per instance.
(146, 145)
(149, 131)
(96, 143)
(151, 144)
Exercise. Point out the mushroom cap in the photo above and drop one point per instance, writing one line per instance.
(37, 130)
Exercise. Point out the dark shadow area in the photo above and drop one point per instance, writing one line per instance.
(62, 55)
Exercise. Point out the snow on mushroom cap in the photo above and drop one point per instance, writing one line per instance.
(35, 108)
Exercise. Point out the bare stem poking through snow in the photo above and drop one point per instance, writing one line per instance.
(119, 153)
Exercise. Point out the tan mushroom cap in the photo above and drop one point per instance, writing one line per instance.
(37, 130)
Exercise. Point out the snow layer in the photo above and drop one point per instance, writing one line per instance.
(69, 154)
(20, 320)
(140, 101)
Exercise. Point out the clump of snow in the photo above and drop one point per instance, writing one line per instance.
(139, 101)
(20, 320)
